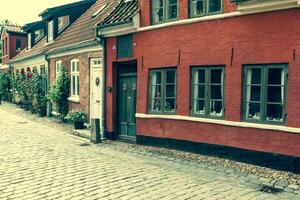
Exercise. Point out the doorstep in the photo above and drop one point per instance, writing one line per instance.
(84, 133)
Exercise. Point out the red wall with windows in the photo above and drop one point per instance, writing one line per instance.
(11, 46)
(257, 39)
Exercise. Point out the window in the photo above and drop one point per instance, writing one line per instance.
(29, 40)
(6, 47)
(265, 93)
(208, 91)
(50, 31)
(205, 7)
(162, 91)
(38, 34)
(125, 46)
(75, 78)
(164, 10)
(35, 70)
(63, 22)
(18, 45)
(58, 67)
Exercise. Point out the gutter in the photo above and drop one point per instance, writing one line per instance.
(48, 85)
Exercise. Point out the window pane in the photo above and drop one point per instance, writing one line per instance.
(199, 91)
(253, 110)
(156, 78)
(170, 91)
(157, 11)
(275, 94)
(73, 85)
(216, 92)
(276, 76)
(78, 86)
(199, 76)
(170, 105)
(73, 66)
(253, 93)
(77, 66)
(214, 5)
(199, 107)
(216, 76)
(216, 108)
(274, 112)
(172, 11)
(156, 98)
(197, 7)
(253, 76)
(170, 76)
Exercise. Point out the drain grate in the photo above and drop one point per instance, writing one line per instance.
(270, 189)
(84, 145)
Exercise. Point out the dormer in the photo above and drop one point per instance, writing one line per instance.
(58, 18)
(35, 32)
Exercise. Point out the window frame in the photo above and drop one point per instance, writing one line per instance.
(264, 93)
(29, 41)
(75, 73)
(207, 92)
(165, 12)
(58, 64)
(206, 11)
(50, 31)
(60, 29)
(163, 90)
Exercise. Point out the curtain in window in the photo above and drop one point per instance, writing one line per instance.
(282, 85)
(153, 91)
(248, 91)
(196, 91)
(222, 91)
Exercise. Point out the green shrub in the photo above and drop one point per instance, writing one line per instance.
(5, 86)
(76, 116)
(59, 93)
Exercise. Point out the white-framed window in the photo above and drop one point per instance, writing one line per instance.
(38, 34)
(58, 67)
(75, 81)
(63, 21)
(50, 31)
(29, 40)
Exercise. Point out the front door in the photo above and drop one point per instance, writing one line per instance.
(96, 89)
(127, 105)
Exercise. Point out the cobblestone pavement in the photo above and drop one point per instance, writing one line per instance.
(42, 162)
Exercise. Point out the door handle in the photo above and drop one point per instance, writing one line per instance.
(97, 101)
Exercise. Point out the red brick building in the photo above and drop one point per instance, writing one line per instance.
(209, 74)
(14, 40)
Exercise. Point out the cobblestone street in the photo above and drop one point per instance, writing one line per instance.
(43, 162)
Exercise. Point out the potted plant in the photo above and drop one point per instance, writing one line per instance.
(77, 118)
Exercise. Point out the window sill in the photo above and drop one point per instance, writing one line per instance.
(74, 99)
(220, 122)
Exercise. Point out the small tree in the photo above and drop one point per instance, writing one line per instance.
(59, 93)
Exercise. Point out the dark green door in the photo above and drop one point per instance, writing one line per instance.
(127, 105)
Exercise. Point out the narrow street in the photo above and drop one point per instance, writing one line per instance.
(42, 162)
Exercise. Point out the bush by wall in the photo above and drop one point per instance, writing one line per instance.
(5, 80)
(59, 93)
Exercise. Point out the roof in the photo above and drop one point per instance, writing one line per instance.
(29, 26)
(124, 13)
(14, 29)
(82, 30)
(39, 48)
(51, 11)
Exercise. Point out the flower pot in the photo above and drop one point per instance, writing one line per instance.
(78, 125)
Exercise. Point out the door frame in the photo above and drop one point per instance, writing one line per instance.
(91, 82)
(116, 72)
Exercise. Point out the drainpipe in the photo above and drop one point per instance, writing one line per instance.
(102, 41)
(48, 85)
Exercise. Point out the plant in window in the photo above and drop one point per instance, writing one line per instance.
(77, 118)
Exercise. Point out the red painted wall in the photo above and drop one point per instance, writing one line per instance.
(261, 38)
(11, 46)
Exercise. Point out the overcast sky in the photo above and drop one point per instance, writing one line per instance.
(26, 11)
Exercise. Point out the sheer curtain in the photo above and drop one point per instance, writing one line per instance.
(196, 90)
(248, 90)
(153, 90)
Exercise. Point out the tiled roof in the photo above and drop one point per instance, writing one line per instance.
(124, 13)
(39, 48)
(14, 29)
(82, 30)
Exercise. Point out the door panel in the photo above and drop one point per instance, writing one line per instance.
(96, 89)
(127, 106)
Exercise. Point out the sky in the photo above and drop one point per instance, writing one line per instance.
(26, 11)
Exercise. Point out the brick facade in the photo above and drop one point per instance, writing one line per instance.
(84, 75)
(264, 38)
